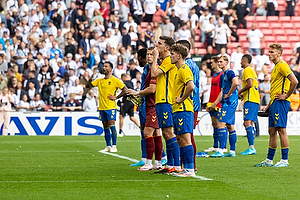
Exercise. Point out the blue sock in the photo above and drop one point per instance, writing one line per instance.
(232, 140)
(169, 154)
(222, 135)
(143, 145)
(250, 134)
(163, 153)
(182, 157)
(107, 137)
(114, 134)
(284, 153)
(271, 153)
(175, 151)
(189, 157)
(215, 136)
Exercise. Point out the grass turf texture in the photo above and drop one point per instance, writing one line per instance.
(72, 168)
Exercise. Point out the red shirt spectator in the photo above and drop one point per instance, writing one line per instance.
(159, 14)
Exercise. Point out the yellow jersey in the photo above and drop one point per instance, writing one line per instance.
(165, 82)
(252, 94)
(107, 87)
(279, 81)
(184, 75)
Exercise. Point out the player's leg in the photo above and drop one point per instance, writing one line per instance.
(232, 140)
(195, 116)
(150, 148)
(214, 122)
(121, 120)
(284, 141)
(111, 116)
(158, 148)
(130, 112)
(222, 136)
(134, 120)
(107, 134)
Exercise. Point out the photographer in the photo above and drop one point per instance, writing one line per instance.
(5, 108)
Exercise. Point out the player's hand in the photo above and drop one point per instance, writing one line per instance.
(226, 96)
(280, 96)
(155, 53)
(111, 97)
(266, 108)
(178, 100)
(213, 106)
(131, 92)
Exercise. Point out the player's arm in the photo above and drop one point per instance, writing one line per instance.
(293, 85)
(247, 87)
(234, 84)
(147, 91)
(217, 101)
(111, 97)
(189, 89)
(155, 71)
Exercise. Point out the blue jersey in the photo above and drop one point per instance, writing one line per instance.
(142, 108)
(232, 101)
(195, 70)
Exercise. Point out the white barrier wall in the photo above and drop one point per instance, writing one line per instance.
(84, 123)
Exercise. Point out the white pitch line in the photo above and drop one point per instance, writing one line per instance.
(116, 155)
(134, 160)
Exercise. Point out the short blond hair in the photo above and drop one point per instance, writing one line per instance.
(225, 58)
(276, 46)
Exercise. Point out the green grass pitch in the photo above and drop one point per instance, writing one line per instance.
(72, 168)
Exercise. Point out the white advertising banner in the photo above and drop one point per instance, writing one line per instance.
(85, 123)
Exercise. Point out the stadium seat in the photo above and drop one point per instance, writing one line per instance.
(234, 45)
(286, 45)
(286, 19)
(287, 52)
(199, 45)
(287, 25)
(242, 32)
(272, 18)
(144, 24)
(279, 32)
(262, 25)
(229, 51)
(293, 39)
(245, 45)
(197, 38)
(260, 19)
(267, 32)
(202, 51)
(275, 25)
(291, 32)
(250, 19)
(281, 39)
(269, 38)
(295, 19)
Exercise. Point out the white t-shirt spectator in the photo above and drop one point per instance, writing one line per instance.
(52, 31)
(119, 72)
(133, 24)
(184, 34)
(133, 36)
(221, 5)
(78, 89)
(221, 34)
(113, 59)
(36, 103)
(177, 9)
(194, 18)
(89, 104)
(23, 9)
(260, 61)
(23, 104)
(185, 8)
(236, 60)
(72, 80)
(32, 19)
(150, 6)
(254, 38)
(204, 20)
(90, 7)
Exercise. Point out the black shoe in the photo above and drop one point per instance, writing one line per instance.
(163, 171)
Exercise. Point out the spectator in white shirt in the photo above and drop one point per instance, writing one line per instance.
(222, 36)
(221, 6)
(185, 8)
(37, 104)
(78, 90)
(235, 61)
(90, 6)
(223, 52)
(52, 29)
(255, 38)
(23, 11)
(149, 9)
(129, 23)
(33, 18)
(184, 33)
(261, 60)
(89, 104)
(23, 104)
(174, 6)
(203, 23)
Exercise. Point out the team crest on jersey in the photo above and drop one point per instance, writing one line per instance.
(246, 111)
(164, 122)
(223, 113)
(113, 112)
(179, 129)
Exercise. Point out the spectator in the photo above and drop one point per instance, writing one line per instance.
(89, 104)
(223, 52)
(118, 71)
(3, 64)
(122, 13)
(78, 91)
(290, 9)
(5, 107)
(132, 23)
(261, 60)
(210, 31)
(184, 33)
(2, 83)
(141, 43)
(203, 23)
(221, 6)
(159, 14)
(43, 74)
(57, 101)
(23, 10)
(72, 104)
(149, 9)
(197, 58)
(84, 80)
(133, 37)
(70, 48)
(222, 36)
(293, 64)
(255, 38)
(37, 105)
(46, 92)
(164, 5)
(199, 8)
(31, 91)
(52, 28)
(185, 8)
(168, 28)
(73, 14)
(241, 11)
(176, 8)
(261, 75)
(113, 57)
(207, 57)
(157, 31)
(22, 56)
(264, 90)
(149, 36)
(90, 6)
(270, 8)
(136, 10)
(23, 104)
(32, 78)
(261, 8)
(85, 42)
(19, 91)
(126, 39)
(235, 61)
(45, 21)
(81, 20)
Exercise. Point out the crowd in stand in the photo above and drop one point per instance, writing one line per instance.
(49, 50)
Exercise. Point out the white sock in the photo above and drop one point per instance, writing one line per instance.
(269, 161)
(144, 160)
(232, 152)
(169, 167)
(251, 146)
(164, 158)
(149, 162)
(158, 162)
(114, 146)
(191, 170)
(284, 161)
(177, 168)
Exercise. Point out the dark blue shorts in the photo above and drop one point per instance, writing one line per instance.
(183, 122)
(142, 113)
(164, 113)
(215, 113)
(227, 115)
(107, 115)
(278, 113)
(250, 111)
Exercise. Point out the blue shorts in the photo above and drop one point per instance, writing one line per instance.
(164, 113)
(142, 113)
(107, 115)
(183, 122)
(227, 115)
(278, 113)
(250, 111)
(215, 113)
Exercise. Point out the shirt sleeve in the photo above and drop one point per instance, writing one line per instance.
(95, 82)
(119, 84)
(285, 69)
(186, 75)
(230, 75)
(248, 74)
